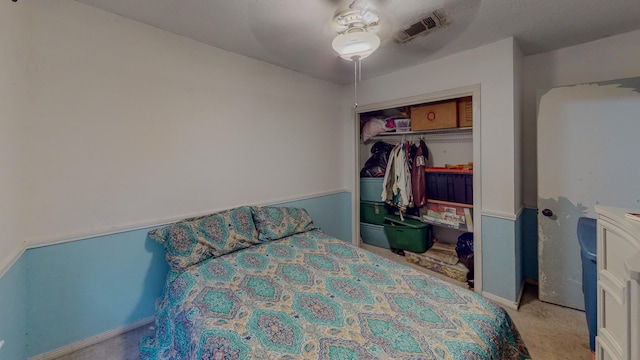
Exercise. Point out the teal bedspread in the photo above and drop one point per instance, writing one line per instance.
(311, 296)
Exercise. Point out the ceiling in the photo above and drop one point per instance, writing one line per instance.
(297, 34)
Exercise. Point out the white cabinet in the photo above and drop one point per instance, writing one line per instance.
(618, 285)
(634, 296)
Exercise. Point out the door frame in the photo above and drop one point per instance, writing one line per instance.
(581, 191)
(474, 92)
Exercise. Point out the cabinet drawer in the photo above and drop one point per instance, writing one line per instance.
(612, 319)
(634, 319)
(604, 352)
(613, 249)
(618, 292)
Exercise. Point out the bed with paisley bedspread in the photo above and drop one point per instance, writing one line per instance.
(265, 283)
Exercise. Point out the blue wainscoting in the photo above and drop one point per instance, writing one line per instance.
(501, 257)
(54, 296)
(530, 243)
(13, 306)
(83, 288)
(331, 213)
(517, 244)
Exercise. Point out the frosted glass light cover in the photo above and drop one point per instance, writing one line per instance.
(353, 44)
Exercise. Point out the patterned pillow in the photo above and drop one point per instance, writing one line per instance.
(193, 240)
(275, 222)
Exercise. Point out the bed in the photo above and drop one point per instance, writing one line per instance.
(266, 283)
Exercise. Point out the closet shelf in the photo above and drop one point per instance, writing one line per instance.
(449, 203)
(454, 134)
(447, 214)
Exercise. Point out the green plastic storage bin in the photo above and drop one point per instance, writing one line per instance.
(408, 234)
(374, 235)
(373, 212)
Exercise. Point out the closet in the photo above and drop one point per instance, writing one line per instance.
(452, 162)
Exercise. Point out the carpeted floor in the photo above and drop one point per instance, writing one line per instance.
(550, 332)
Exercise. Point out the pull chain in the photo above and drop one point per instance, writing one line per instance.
(357, 77)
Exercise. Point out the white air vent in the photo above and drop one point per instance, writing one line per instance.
(421, 27)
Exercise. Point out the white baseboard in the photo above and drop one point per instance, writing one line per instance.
(515, 305)
(65, 350)
(502, 301)
(519, 300)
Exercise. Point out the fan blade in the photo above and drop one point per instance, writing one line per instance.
(365, 4)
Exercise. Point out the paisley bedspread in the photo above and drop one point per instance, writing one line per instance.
(312, 296)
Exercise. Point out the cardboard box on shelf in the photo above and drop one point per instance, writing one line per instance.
(442, 115)
(465, 112)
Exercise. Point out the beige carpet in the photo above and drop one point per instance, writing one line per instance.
(550, 332)
(123, 347)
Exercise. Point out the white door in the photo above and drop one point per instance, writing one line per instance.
(588, 154)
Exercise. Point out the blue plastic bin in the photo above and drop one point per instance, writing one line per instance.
(587, 239)
(371, 189)
(373, 234)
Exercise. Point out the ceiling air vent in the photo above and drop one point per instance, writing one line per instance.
(421, 27)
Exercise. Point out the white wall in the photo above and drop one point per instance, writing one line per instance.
(13, 55)
(491, 66)
(127, 125)
(518, 59)
(606, 59)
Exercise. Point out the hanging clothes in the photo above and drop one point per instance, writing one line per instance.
(396, 188)
(418, 177)
(390, 176)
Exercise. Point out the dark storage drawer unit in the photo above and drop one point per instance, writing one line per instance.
(408, 234)
(450, 185)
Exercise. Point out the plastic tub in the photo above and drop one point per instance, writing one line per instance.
(374, 235)
(373, 212)
(371, 188)
(587, 239)
(450, 185)
(408, 234)
(402, 125)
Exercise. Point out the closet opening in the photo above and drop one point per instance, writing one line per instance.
(443, 129)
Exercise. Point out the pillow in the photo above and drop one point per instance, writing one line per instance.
(193, 240)
(273, 222)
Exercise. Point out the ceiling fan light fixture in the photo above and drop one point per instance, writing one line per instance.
(361, 17)
(358, 44)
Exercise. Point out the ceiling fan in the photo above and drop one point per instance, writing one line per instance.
(299, 34)
(358, 22)
(357, 26)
